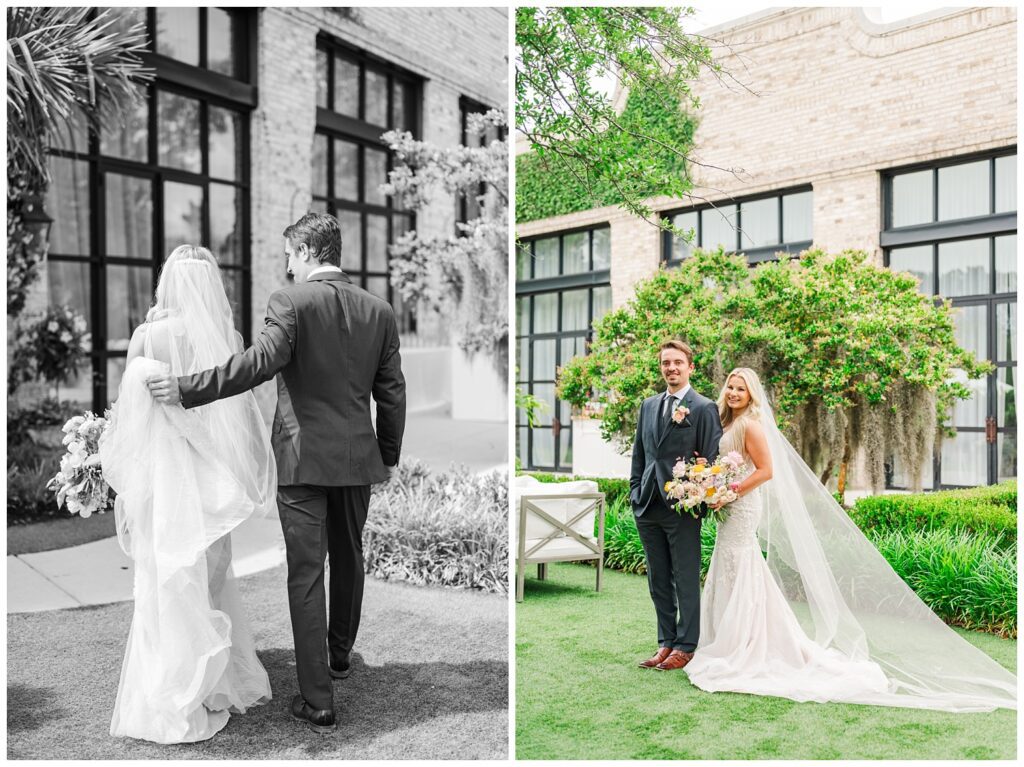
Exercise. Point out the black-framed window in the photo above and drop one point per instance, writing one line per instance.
(759, 226)
(177, 171)
(953, 225)
(563, 287)
(468, 206)
(359, 98)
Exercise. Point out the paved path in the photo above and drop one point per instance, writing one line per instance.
(100, 573)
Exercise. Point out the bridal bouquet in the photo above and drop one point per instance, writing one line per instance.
(80, 482)
(700, 482)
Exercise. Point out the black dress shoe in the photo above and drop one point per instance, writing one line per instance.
(321, 721)
(341, 672)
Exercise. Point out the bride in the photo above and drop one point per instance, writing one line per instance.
(821, 616)
(185, 480)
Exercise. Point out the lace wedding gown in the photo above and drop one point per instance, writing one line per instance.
(185, 480)
(821, 616)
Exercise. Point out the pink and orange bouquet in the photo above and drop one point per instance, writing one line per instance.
(700, 482)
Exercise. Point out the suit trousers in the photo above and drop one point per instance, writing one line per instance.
(671, 544)
(320, 523)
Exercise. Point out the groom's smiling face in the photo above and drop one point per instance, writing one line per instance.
(675, 368)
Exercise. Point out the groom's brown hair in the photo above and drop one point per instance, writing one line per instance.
(321, 233)
(674, 343)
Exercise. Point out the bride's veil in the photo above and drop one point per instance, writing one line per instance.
(847, 596)
(214, 463)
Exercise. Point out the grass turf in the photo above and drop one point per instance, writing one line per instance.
(580, 695)
(430, 681)
(58, 533)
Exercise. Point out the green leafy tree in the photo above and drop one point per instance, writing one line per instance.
(61, 62)
(852, 355)
(578, 138)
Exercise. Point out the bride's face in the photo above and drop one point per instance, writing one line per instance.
(737, 396)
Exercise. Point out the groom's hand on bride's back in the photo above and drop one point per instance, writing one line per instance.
(164, 389)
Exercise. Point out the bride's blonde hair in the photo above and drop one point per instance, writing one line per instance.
(754, 388)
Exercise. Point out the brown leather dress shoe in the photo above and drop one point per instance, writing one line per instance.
(658, 657)
(676, 659)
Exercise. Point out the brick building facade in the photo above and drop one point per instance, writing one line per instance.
(897, 139)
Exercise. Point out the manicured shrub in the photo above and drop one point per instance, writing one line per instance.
(448, 529)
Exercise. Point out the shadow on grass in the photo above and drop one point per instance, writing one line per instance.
(553, 588)
(28, 708)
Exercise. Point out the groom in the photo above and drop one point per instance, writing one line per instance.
(332, 345)
(677, 424)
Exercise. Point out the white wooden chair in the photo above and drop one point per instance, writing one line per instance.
(555, 523)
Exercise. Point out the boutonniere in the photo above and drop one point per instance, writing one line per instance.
(680, 413)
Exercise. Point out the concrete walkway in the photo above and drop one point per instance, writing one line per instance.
(100, 573)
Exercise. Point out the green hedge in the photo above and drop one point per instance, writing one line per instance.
(967, 579)
(989, 511)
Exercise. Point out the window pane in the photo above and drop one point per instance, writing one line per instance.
(346, 87)
(376, 98)
(1006, 332)
(73, 137)
(177, 33)
(225, 143)
(67, 203)
(1006, 264)
(129, 216)
(545, 257)
(129, 140)
(376, 244)
(523, 316)
(523, 262)
(545, 392)
(378, 286)
(543, 448)
(351, 241)
(963, 268)
(68, 284)
(523, 359)
(400, 117)
(912, 198)
(565, 441)
(1006, 397)
(178, 132)
(1006, 447)
(1006, 183)
(602, 248)
(901, 479)
(233, 288)
(575, 309)
(346, 170)
(545, 313)
(522, 446)
(129, 296)
(115, 369)
(797, 217)
(576, 253)
(971, 329)
(322, 62)
(319, 166)
(682, 248)
(918, 261)
(125, 18)
(376, 174)
(965, 459)
(718, 227)
(221, 38)
(183, 215)
(226, 223)
(963, 190)
(572, 347)
(543, 360)
(971, 412)
(318, 206)
(602, 301)
(760, 222)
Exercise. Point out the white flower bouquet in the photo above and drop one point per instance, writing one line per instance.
(699, 482)
(80, 483)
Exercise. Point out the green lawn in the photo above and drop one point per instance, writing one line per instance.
(580, 695)
(429, 681)
(59, 532)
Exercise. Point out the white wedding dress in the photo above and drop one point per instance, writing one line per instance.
(821, 616)
(185, 479)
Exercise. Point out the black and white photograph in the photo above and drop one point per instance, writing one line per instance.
(257, 381)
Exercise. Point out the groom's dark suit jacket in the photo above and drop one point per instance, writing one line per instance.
(334, 345)
(660, 442)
